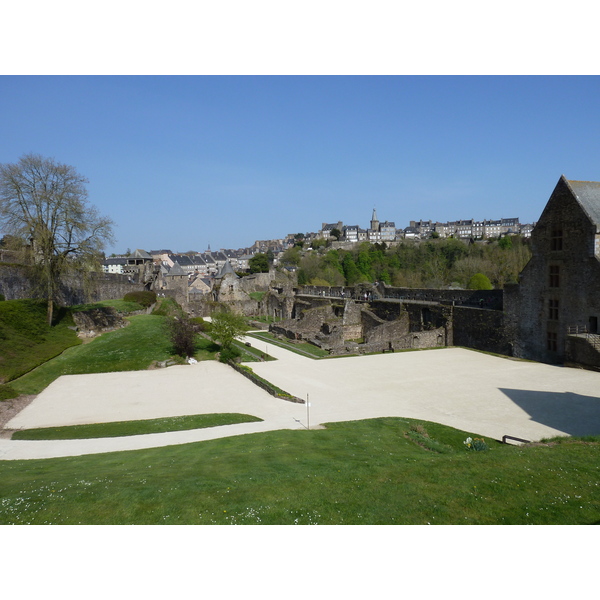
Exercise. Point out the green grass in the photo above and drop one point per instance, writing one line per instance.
(251, 353)
(364, 472)
(258, 296)
(26, 341)
(127, 428)
(131, 348)
(303, 348)
(7, 392)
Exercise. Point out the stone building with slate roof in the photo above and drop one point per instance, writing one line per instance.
(553, 311)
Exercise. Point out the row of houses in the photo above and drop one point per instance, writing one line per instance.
(203, 264)
(210, 263)
(386, 231)
(469, 228)
(377, 232)
(164, 270)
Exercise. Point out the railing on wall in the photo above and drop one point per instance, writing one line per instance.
(582, 331)
(470, 298)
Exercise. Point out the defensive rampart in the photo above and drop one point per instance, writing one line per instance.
(18, 283)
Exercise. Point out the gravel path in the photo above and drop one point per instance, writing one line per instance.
(461, 388)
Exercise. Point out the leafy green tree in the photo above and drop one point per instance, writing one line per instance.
(363, 263)
(319, 243)
(479, 281)
(259, 263)
(226, 327)
(332, 260)
(351, 272)
(291, 256)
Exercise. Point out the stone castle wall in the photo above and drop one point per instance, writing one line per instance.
(580, 352)
(481, 329)
(17, 283)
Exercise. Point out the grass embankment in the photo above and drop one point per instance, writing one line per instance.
(27, 341)
(128, 428)
(365, 472)
(132, 348)
(303, 348)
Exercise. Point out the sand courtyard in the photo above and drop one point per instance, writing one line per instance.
(472, 391)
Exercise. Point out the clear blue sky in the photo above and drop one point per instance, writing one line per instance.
(181, 162)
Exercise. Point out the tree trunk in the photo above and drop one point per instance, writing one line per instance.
(50, 311)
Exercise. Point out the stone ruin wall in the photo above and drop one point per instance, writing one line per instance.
(92, 322)
(17, 284)
(579, 352)
(342, 325)
(351, 327)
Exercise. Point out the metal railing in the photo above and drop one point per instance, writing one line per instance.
(582, 331)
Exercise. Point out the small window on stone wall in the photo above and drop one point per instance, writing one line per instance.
(552, 341)
(554, 276)
(553, 310)
(556, 239)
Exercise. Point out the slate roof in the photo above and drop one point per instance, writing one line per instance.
(175, 270)
(117, 260)
(226, 269)
(183, 259)
(588, 195)
(140, 254)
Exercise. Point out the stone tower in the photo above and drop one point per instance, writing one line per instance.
(374, 222)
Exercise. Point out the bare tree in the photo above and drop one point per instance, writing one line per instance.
(44, 205)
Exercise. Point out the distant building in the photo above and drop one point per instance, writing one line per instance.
(114, 264)
(350, 233)
(327, 228)
(387, 230)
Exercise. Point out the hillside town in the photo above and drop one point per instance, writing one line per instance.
(204, 266)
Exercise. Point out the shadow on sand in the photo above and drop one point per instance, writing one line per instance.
(573, 414)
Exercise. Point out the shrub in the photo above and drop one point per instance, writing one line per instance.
(200, 324)
(229, 353)
(183, 336)
(476, 444)
(479, 281)
(144, 298)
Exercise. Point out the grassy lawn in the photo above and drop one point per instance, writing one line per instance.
(302, 348)
(26, 341)
(366, 472)
(251, 353)
(132, 348)
(127, 428)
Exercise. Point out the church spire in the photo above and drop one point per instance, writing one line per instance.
(374, 221)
